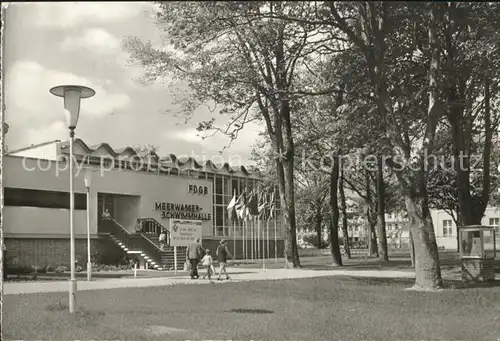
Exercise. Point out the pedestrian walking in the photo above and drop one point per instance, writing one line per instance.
(208, 262)
(222, 255)
(162, 239)
(194, 253)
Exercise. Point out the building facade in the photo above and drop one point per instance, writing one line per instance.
(139, 192)
(445, 228)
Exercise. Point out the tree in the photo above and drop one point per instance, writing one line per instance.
(471, 61)
(345, 218)
(378, 30)
(248, 65)
(320, 136)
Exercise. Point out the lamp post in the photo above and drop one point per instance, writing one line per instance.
(72, 95)
(88, 181)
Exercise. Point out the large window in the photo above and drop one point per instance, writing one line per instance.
(220, 184)
(447, 228)
(45, 199)
(495, 222)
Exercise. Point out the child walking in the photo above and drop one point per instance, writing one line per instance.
(208, 261)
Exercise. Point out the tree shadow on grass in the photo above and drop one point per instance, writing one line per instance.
(409, 282)
(366, 265)
(250, 311)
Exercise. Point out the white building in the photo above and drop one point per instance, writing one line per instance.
(445, 228)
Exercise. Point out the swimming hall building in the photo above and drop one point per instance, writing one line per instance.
(132, 198)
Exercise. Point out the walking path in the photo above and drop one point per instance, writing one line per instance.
(237, 275)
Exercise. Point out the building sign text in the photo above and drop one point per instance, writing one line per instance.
(184, 232)
(181, 211)
(200, 190)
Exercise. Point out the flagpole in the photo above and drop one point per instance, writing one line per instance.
(258, 238)
(275, 240)
(263, 250)
(251, 238)
(255, 240)
(267, 226)
(243, 229)
(234, 226)
(275, 229)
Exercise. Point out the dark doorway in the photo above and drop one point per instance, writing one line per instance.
(105, 201)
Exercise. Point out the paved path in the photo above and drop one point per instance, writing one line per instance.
(237, 275)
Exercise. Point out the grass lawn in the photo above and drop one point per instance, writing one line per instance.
(335, 308)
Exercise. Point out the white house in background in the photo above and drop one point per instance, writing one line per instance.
(446, 229)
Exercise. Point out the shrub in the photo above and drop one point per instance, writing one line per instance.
(61, 269)
(78, 268)
(312, 239)
(49, 269)
(19, 270)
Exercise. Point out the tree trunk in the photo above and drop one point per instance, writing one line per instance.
(459, 224)
(370, 224)
(318, 221)
(288, 204)
(412, 250)
(382, 236)
(334, 212)
(372, 243)
(343, 207)
(427, 268)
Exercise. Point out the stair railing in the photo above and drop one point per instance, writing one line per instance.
(151, 227)
(120, 232)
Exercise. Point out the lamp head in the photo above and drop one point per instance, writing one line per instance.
(72, 95)
(5, 128)
(88, 178)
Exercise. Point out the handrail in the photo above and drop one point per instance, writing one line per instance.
(133, 241)
(117, 224)
(157, 225)
(151, 242)
(155, 222)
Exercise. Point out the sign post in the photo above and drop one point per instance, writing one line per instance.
(184, 232)
(175, 259)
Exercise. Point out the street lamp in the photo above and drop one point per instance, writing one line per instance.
(72, 95)
(88, 181)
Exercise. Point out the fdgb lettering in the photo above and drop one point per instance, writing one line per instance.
(200, 190)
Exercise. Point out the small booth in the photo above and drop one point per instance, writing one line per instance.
(477, 253)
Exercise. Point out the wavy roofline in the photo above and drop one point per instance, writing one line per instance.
(172, 158)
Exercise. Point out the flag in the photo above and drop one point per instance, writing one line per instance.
(253, 208)
(241, 206)
(231, 209)
(272, 206)
(263, 205)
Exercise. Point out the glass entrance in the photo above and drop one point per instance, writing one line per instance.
(105, 202)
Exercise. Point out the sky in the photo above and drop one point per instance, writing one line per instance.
(49, 44)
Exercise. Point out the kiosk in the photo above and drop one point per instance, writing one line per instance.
(477, 253)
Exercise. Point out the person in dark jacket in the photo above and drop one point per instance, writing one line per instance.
(222, 254)
(194, 253)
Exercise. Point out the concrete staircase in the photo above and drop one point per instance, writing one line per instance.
(145, 245)
(167, 256)
(145, 260)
